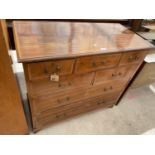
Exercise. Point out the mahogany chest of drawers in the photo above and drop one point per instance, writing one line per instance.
(71, 68)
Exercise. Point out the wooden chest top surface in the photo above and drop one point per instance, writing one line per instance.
(53, 40)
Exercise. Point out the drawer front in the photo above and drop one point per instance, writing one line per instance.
(99, 100)
(54, 100)
(43, 70)
(124, 72)
(48, 117)
(66, 82)
(106, 88)
(132, 57)
(92, 63)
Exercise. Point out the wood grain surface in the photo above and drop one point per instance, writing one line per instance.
(49, 40)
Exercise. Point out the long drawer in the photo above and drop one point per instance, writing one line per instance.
(101, 100)
(50, 116)
(54, 100)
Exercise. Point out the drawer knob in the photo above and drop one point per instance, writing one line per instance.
(46, 71)
(58, 68)
(87, 105)
(113, 74)
(67, 84)
(103, 62)
(118, 74)
(55, 68)
(65, 99)
(131, 58)
(94, 64)
(58, 100)
(60, 116)
(105, 89)
(110, 88)
(99, 103)
(136, 57)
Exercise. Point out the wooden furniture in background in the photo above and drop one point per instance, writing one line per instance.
(136, 24)
(71, 68)
(12, 118)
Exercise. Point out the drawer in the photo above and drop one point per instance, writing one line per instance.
(92, 63)
(99, 100)
(66, 82)
(106, 88)
(124, 72)
(48, 117)
(132, 57)
(43, 70)
(55, 100)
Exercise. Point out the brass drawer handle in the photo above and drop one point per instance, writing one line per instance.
(46, 71)
(87, 105)
(58, 69)
(103, 62)
(94, 64)
(118, 74)
(106, 89)
(68, 84)
(60, 116)
(99, 103)
(113, 75)
(136, 57)
(55, 67)
(66, 99)
(131, 58)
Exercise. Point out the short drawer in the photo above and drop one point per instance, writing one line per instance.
(132, 57)
(92, 63)
(107, 88)
(65, 83)
(43, 70)
(55, 100)
(122, 73)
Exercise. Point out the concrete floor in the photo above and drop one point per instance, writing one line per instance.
(135, 114)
